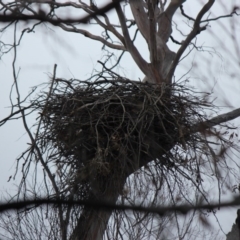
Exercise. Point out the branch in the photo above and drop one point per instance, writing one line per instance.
(223, 16)
(185, 15)
(152, 35)
(92, 36)
(199, 127)
(101, 11)
(165, 55)
(65, 23)
(93, 9)
(108, 206)
(113, 30)
(142, 64)
(11, 115)
(196, 30)
(43, 17)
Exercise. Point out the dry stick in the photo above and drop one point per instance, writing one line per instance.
(34, 146)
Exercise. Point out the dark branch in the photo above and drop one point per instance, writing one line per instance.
(107, 206)
(44, 17)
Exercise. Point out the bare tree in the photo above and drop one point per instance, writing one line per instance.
(119, 141)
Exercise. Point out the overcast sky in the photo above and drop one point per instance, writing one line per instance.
(77, 56)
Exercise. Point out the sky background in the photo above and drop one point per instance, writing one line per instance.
(76, 57)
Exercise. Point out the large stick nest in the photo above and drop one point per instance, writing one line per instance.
(111, 128)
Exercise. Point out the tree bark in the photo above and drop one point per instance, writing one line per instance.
(93, 222)
(234, 233)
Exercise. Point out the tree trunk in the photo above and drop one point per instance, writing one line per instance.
(234, 233)
(93, 222)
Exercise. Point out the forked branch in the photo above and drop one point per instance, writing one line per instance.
(195, 31)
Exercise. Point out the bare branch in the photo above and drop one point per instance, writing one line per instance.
(109, 27)
(224, 16)
(113, 30)
(92, 36)
(164, 20)
(108, 206)
(196, 30)
(67, 22)
(42, 16)
(142, 64)
(199, 127)
(185, 15)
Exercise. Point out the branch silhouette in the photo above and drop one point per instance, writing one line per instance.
(108, 206)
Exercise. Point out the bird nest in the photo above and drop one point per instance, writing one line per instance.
(112, 128)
